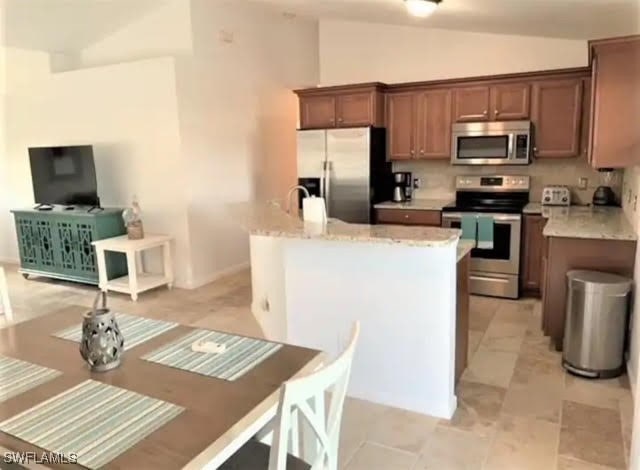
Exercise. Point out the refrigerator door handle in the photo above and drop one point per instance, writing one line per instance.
(326, 177)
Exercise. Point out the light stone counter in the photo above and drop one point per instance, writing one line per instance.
(416, 204)
(533, 208)
(598, 223)
(464, 247)
(270, 220)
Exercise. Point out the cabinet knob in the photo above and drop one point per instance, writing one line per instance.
(411, 152)
(406, 216)
(422, 151)
(339, 119)
(485, 112)
(496, 112)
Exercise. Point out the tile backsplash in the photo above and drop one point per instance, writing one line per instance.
(438, 177)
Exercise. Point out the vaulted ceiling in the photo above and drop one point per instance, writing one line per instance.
(61, 25)
(578, 19)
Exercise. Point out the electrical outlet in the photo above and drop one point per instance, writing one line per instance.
(417, 182)
(226, 36)
(583, 183)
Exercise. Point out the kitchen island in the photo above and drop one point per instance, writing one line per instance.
(311, 282)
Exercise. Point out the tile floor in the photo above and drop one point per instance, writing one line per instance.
(518, 409)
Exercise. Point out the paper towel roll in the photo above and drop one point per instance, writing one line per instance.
(314, 210)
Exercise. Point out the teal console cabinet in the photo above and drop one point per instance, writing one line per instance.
(57, 243)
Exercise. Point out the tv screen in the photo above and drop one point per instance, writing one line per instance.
(64, 175)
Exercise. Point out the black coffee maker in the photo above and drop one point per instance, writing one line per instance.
(402, 186)
(604, 195)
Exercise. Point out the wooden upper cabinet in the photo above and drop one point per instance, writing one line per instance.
(434, 124)
(614, 132)
(510, 101)
(317, 112)
(355, 109)
(400, 114)
(557, 116)
(342, 106)
(472, 104)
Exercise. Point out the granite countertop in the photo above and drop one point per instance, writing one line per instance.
(598, 223)
(464, 247)
(271, 220)
(416, 204)
(533, 208)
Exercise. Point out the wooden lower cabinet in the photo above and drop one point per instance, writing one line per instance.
(531, 254)
(462, 315)
(409, 217)
(565, 254)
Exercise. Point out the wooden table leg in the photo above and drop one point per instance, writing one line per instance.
(133, 274)
(168, 263)
(102, 270)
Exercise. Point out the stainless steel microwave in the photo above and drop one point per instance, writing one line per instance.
(491, 143)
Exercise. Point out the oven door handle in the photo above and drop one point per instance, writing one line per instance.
(498, 217)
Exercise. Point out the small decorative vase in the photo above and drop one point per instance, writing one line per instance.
(102, 344)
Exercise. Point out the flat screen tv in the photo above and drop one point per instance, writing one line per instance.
(64, 175)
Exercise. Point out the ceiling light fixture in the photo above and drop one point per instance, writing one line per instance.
(421, 8)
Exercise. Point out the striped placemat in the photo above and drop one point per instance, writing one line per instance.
(18, 376)
(242, 354)
(95, 421)
(135, 330)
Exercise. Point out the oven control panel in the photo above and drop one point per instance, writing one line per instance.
(556, 196)
(493, 183)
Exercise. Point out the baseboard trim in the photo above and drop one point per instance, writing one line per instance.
(9, 261)
(195, 283)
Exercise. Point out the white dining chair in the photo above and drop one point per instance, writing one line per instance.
(5, 305)
(295, 398)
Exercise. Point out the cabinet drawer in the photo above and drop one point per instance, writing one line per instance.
(408, 217)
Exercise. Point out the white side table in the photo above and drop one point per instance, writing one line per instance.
(136, 281)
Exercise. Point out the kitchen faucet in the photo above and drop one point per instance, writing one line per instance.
(293, 190)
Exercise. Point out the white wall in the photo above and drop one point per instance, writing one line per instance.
(164, 31)
(129, 113)
(238, 119)
(231, 121)
(352, 52)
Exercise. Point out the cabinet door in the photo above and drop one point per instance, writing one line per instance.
(510, 101)
(557, 114)
(533, 244)
(317, 112)
(355, 109)
(73, 240)
(401, 126)
(434, 125)
(28, 242)
(616, 104)
(472, 104)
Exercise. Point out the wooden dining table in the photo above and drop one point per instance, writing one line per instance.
(219, 416)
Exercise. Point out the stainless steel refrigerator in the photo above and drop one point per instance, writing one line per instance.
(348, 168)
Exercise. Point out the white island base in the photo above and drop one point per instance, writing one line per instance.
(310, 291)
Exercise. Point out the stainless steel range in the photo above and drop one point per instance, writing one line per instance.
(494, 271)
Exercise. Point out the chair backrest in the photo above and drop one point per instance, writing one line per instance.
(5, 306)
(295, 398)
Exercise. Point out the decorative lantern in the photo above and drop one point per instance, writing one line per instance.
(102, 344)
